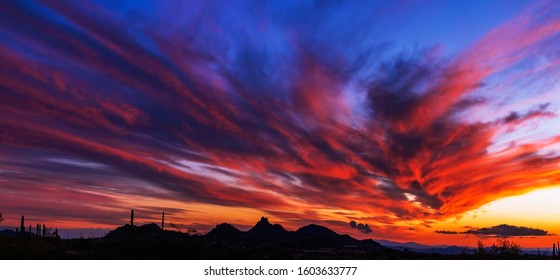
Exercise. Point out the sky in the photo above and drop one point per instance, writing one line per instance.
(427, 121)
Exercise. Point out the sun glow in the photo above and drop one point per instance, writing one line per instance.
(539, 208)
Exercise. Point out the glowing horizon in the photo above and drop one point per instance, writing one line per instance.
(305, 112)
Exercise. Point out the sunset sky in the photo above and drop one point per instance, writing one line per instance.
(428, 121)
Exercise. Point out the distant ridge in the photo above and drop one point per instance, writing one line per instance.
(8, 233)
(427, 249)
(411, 245)
(12, 234)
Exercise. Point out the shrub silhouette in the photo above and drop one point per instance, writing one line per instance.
(502, 248)
(506, 247)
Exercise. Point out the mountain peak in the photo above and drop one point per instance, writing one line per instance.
(314, 231)
(224, 232)
(264, 229)
(264, 221)
(264, 224)
(226, 227)
(150, 231)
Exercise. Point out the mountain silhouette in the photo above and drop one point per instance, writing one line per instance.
(262, 235)
(315, 231)
(265, 231)
(12, 234)
(410, 245)
(144, 232)
(421, 248)
(8, 233)
(225, 232)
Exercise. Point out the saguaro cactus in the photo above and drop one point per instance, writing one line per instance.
(22, 227)
(132, 217)
(44, 231)
(132, 224)
(162, 220)
(553, 250)
(162, 224)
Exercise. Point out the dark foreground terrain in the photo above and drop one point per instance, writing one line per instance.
(263, 241)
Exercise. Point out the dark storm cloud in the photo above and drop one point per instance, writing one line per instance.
(446, 232)
(501, 231)
(363, 228)
(508, 230)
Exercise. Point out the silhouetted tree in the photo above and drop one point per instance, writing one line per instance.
(191, 230)
(480, 249)
(505, 247)
(502, 248)
(1, 219)
(177, 227)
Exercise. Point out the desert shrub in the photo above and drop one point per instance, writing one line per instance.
(501, 248)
